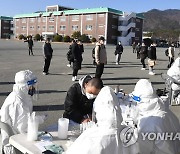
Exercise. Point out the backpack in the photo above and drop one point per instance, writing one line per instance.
(166, 52)
(70, 56)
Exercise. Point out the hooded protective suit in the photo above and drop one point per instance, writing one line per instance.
(153, 118)
(17, 105)
(174, 72)
(103, 138)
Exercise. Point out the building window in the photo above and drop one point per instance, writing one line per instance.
(75, 27)
(39, 19)
(63, 18)
(17, 19)
(51, 19)
(101, 15)
(75, 18)
(51, 27)
(38, 27)
(32, 20)
(31, 27)
(113, 37)
(136, 38)
(17, 27)
(62, 27)
(89, 27)
(23, 20)
(138, 20)
(6, 28)
(44, 27)
(115, 16)
(6, 21)
(114, 27)
(23, 27)
(137, 29)
(44, 19)
(89, 17)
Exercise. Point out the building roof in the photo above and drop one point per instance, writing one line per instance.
(69, 12)
(140, 15)
(6, 18)
(76, 11)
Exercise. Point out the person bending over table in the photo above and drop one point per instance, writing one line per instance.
(79, 99)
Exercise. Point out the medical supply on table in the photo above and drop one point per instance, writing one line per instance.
(63, 124)
(33, 124)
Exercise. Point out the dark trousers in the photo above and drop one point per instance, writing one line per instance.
(75, 72)
(30, 51)
(143, 62)
(47, 63)
(99, 70)
(171, 60)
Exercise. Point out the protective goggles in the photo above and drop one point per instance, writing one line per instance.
(32, 82)
(33, 89)
(136, 98)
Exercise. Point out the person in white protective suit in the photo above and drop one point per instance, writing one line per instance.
(174, 72)
(154, 118)
(18, 105)
(104, 137)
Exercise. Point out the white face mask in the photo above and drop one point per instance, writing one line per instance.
(90, 96)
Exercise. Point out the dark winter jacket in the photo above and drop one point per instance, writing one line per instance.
(152, 53)
(77, 104)
(119, 49)
(30, 43)
(138, 48)
(48, 49)
(77, 56)
(143, 52)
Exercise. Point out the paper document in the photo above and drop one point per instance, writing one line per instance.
(41, 145)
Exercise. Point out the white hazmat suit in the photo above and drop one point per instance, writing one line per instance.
(153, 118)
(17, 105)
(174, 72)
(105, 137)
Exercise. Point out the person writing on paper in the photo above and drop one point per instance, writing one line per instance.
(104, 137)
(154, 118)
(18, 105)
(79, 99)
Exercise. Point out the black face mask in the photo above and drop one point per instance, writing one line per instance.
(31, 91)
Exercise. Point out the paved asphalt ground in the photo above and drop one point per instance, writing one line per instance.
(14, 57)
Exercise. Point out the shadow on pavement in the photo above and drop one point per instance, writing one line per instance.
(4, 83)
(48, 107)
(50, 91)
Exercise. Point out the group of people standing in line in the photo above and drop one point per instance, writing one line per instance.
(75, 52)
(143, 51)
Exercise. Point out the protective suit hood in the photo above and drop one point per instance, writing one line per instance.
(148, 103)
(107, 109)
(82, 80)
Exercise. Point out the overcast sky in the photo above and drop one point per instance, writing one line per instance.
(13, 7)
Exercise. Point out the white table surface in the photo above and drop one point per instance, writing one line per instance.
(19, 141)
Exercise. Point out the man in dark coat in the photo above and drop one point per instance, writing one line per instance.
(30, 45)
(138, 49)
(47, 56)
(77, 59)
(118, 52)
(143, 55)
(80, 97)
(152, 58)
(81, 48)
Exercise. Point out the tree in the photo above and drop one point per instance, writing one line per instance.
(66, 38)
(84, 38)
(37, 37)
(58, 38)
(76, 35)
(93, 40)
(21, 36)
